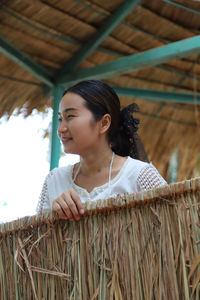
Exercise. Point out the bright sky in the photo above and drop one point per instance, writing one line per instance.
(24, 163)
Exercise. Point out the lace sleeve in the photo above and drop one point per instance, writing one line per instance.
(44, 203)
(149, 178)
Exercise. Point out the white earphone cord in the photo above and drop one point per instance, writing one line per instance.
(110, 170)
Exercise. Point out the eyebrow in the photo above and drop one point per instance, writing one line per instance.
(66, 110)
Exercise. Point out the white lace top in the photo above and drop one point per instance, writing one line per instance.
(134, 176)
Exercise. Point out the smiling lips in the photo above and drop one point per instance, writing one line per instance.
(65, 139)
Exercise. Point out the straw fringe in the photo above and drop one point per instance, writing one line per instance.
(140, 246)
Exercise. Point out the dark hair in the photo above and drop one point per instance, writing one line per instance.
(101, 99)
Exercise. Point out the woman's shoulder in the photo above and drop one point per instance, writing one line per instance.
(136, 165)
(131, 168)
(145, 174)
(149, 177)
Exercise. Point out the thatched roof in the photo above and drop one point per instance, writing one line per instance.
(50, 32)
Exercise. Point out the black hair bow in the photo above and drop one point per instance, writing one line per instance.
(127, 122)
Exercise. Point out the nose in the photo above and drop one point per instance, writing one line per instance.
(62, 128)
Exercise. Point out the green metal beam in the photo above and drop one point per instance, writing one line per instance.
(25, 62)
(165, 96)
(55, 142)
(135, 62)
(100, 13)
(183, 7)
(58, 36)
(191, 124)
(97, 38)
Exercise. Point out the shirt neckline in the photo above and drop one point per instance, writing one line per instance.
(100, 188)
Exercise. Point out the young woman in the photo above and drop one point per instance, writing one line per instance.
(112, 158)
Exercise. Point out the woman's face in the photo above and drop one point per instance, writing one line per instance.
(77, 130)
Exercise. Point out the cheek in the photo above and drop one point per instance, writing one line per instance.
(83, 129)
(89, 133)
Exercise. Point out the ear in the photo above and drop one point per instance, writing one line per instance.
(105, 123)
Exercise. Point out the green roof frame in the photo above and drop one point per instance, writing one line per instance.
(136, 62)
(67, 75)
(97, 38)
(164, 96)
(25, 62)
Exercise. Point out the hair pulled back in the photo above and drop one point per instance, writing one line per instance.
(101, 99)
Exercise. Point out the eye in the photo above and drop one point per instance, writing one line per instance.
(69, 116)
(59, 120)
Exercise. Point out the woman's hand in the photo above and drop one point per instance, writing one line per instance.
(68, 205)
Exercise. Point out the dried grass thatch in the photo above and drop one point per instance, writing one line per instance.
(50, 32)
(141, 246)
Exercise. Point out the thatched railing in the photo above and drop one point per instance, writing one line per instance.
(142, 246)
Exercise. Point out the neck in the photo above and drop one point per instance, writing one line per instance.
(94, 162)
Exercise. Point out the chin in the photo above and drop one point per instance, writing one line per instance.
(70, 151)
